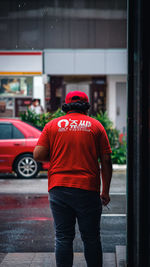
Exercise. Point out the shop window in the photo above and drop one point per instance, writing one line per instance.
(14, 86)
(12, 91)
(6, 107)
(98, 95)
(56, 92)
(21, 105)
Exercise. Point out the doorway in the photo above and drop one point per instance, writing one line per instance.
(121, 106)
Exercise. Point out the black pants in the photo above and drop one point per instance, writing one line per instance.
(67, 205)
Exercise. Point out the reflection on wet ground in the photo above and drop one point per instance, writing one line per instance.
(26, 224)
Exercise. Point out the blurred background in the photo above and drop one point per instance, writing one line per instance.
(49, 48)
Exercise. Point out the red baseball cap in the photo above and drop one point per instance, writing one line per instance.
(75, 96)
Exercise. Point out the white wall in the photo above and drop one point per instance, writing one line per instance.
(85, 61)
(38, 89)
(24, 62)
(111, 95)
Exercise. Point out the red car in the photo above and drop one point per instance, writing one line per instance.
(17, 142)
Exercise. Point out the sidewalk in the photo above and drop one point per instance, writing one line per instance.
(47, 260)
(39, 185)
(118, 167)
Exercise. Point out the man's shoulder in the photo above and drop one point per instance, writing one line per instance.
(95, 122)
(55, 121)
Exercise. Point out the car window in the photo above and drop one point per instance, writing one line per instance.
(17, 134)
(5, 131)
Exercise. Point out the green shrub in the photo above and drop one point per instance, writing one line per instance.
(112, 133)
(29, 116)
(39, 120)
(58, 113)
(118, 148)
(119, 153)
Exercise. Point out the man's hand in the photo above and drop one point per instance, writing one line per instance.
(105, 199)
(106, 168)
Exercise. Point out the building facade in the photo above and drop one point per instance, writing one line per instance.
(82, 46)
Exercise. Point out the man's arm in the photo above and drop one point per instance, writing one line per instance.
(41, 154)
(106, 167)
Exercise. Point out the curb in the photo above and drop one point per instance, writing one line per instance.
(118, 167)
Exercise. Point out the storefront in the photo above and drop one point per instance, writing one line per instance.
(20, 81)
(100, 73)
(93, 86)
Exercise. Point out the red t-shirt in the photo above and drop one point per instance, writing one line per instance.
(75, 141)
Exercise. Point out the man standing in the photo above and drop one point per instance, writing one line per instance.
(73, 144)
(36, 107)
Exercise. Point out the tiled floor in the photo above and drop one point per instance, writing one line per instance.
(48, 260)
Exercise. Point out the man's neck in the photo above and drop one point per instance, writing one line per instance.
(76, 111)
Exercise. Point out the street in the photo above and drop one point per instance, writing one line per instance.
(27, 224)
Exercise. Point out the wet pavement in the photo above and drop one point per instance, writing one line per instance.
(9, 183)
(26, 223)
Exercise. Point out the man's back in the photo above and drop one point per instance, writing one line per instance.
(76, 141)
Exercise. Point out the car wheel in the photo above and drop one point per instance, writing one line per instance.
(26, 166)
